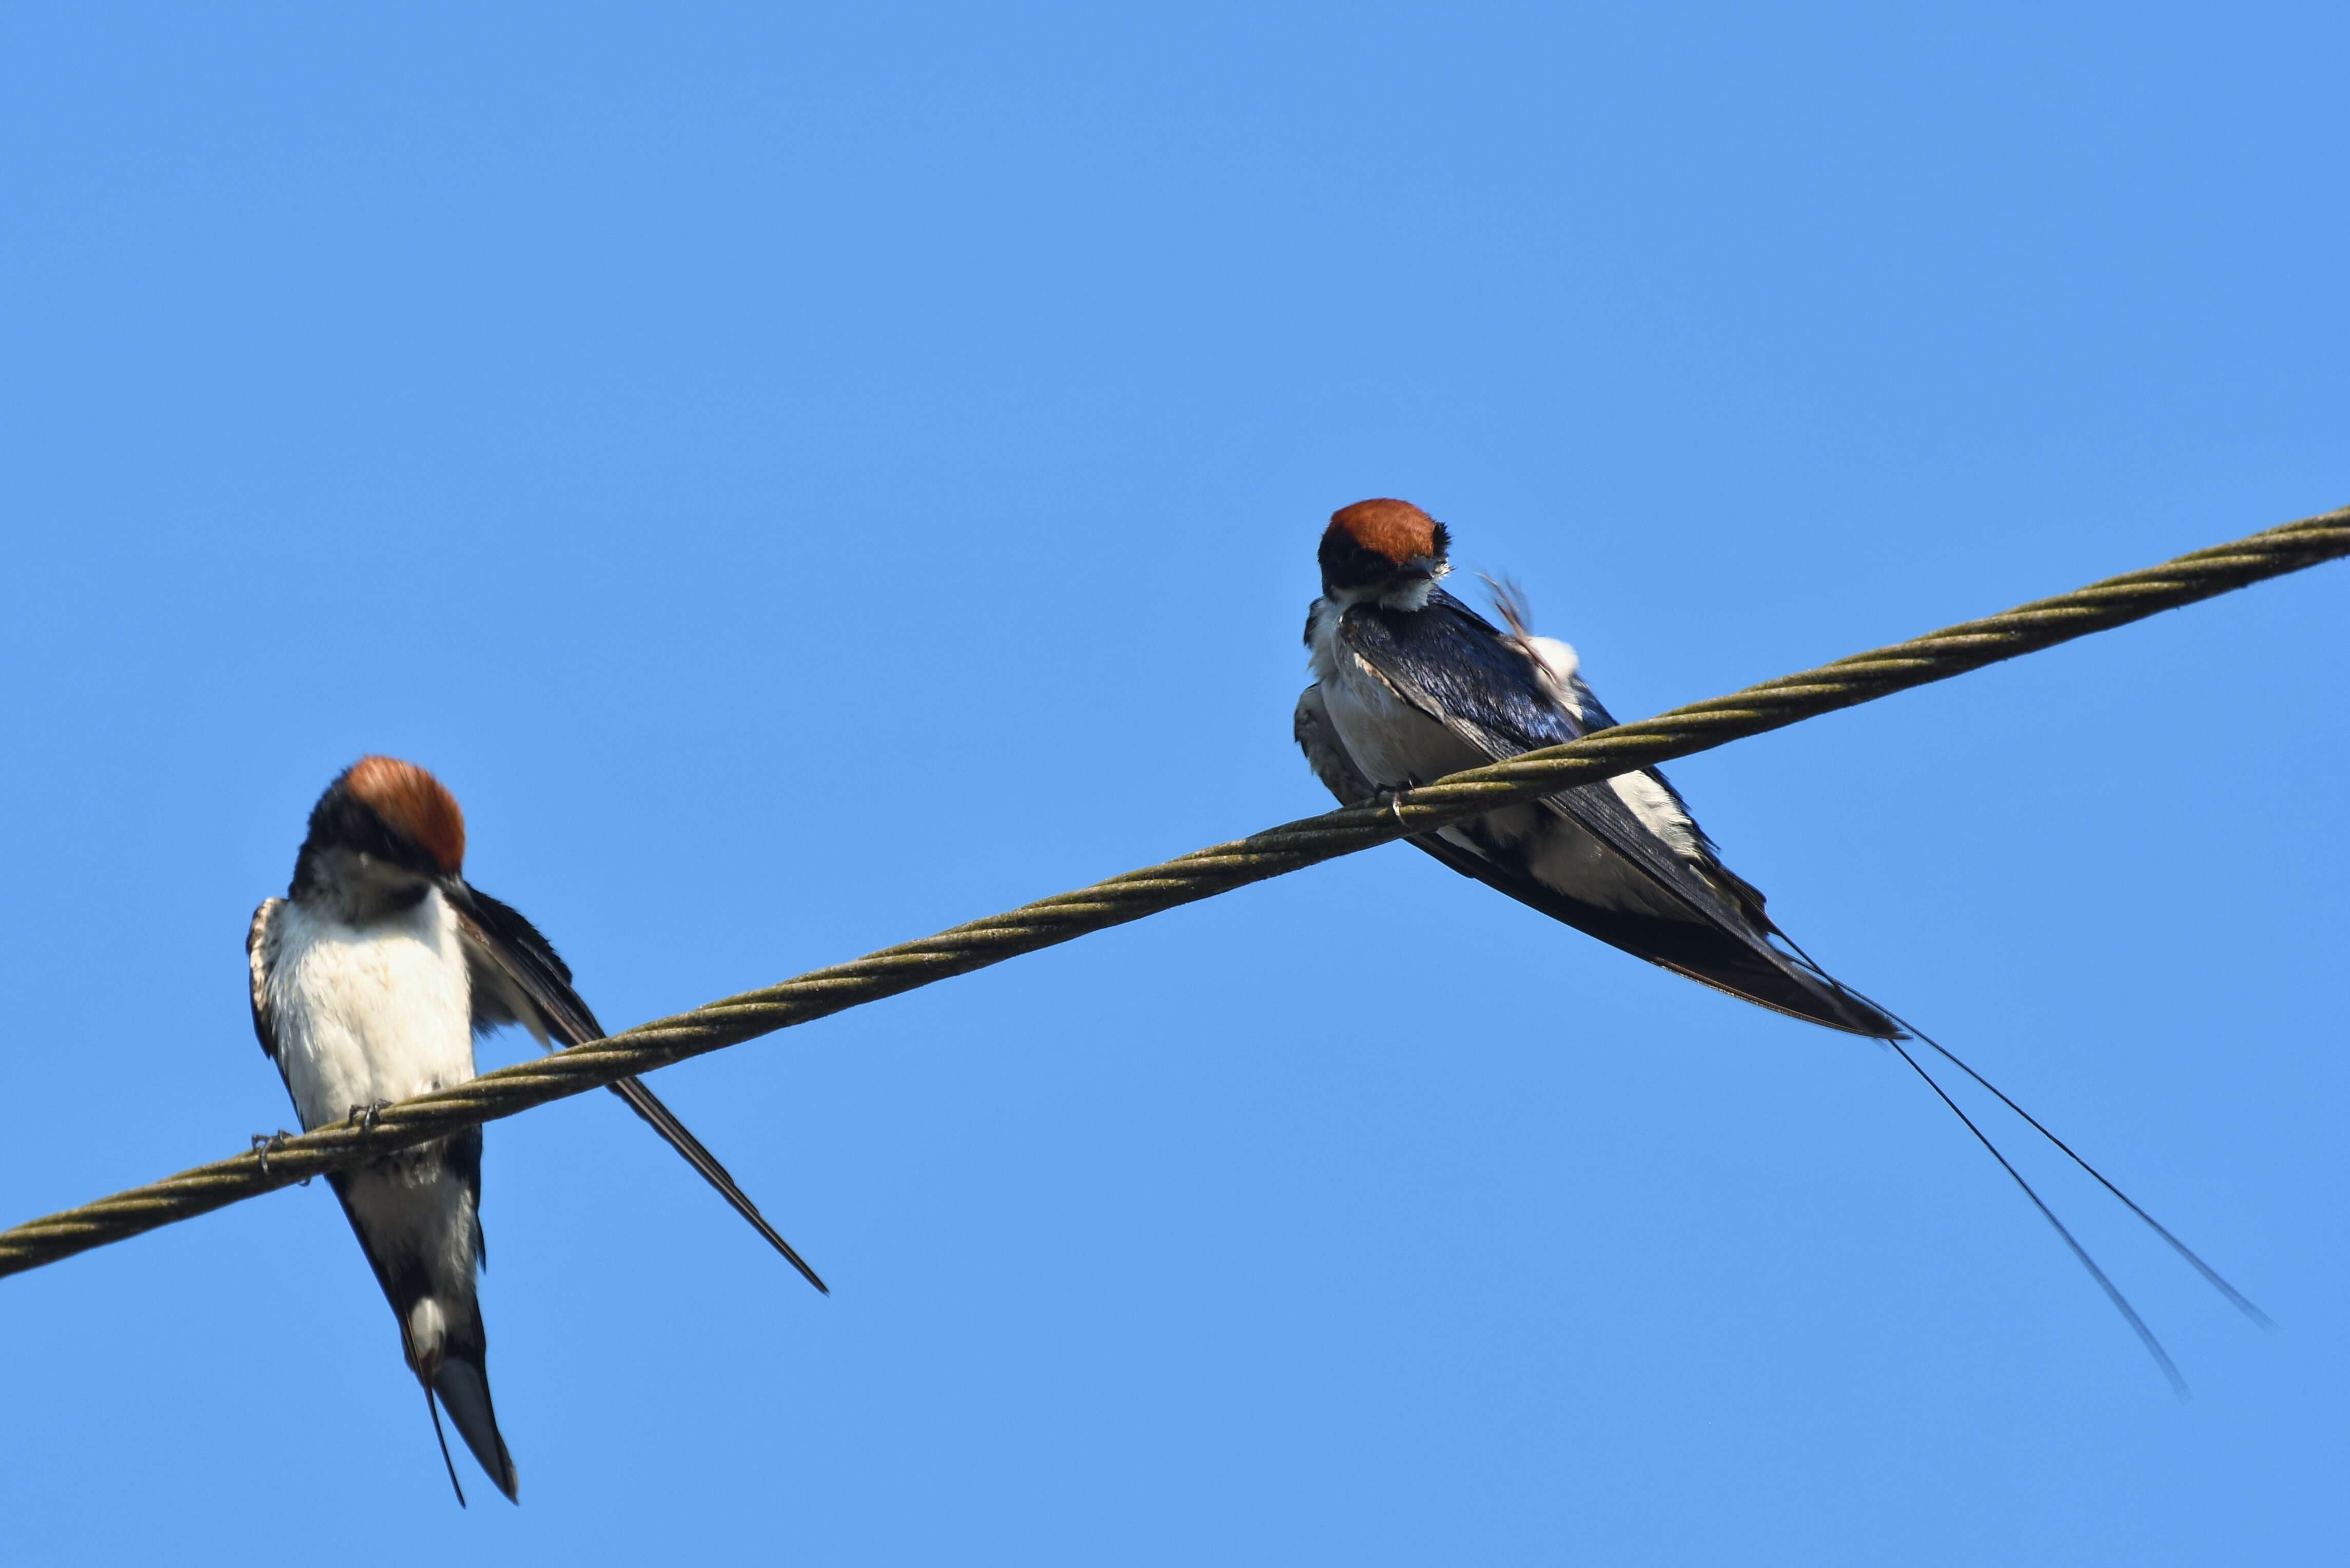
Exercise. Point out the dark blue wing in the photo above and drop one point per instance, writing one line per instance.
(1462, 672)
(501, 944)
(1459, 669)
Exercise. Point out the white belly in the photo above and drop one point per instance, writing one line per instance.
(368, 1013)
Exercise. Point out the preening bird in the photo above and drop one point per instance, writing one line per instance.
(1411, 684)
(370, 980)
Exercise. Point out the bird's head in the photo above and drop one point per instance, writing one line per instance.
(384, 831)
(1383, 552)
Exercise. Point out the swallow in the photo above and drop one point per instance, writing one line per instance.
(1411, 684)
(370, 980)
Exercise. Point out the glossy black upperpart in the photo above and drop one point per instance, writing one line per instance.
(1461, 662)
(499, 936)
(1457, 666)
(531, 960)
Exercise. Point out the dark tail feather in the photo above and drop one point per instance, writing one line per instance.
(2112, 1293)
(664, 1121)
(1740, 964)
(464, 1384)
(442, 1438)
(1853, 1011)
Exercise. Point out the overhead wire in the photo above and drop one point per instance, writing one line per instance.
(1203, 874)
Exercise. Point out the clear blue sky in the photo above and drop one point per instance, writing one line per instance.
(804, 479)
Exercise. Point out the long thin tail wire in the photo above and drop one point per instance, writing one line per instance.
(2235, 1298)
(434, 1410)
(2112, 1293)
(2218, 1281)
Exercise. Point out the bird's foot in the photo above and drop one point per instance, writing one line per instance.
(365, 1117)
(1392, 799)
(266, 1144)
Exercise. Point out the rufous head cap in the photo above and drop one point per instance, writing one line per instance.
(1375, 541)
(414, 804)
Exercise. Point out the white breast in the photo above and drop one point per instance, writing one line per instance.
(375, 1013)
(1392, 742)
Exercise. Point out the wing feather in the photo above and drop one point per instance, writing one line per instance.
(260, 957)
(1488, 689)
(518, 977)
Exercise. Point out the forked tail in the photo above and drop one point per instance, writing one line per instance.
(464, 1384)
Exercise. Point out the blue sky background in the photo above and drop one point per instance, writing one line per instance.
(805, 478)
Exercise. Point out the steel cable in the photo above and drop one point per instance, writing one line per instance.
(1203, 874)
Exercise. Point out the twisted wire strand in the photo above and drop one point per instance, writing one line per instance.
(1203, 874)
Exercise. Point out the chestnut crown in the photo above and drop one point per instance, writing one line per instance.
(394, 809)
(1382, 541)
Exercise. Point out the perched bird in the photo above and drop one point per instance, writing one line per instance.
(1411, 684)
(370, 979)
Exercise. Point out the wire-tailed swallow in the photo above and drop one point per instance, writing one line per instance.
(370, 979)
(1411, 684)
